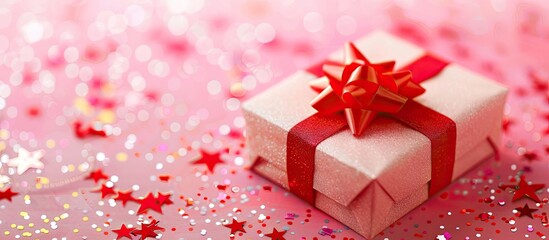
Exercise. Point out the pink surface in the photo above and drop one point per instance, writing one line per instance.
(165, 79)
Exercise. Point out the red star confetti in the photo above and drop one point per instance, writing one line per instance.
(164, 199)
(148, 230)
(525, 190)
(105, 191)
(526, 211)
(7, 194)
(97, 175)
(150, 202)
(236, 226)
(123, 231)
(276, 235)
(125, 197)
(164, 178)
(210, 160)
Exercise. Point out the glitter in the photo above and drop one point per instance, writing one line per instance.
(313, 22)
(167, 99)
(159, 166)
(138, 83)
(264, 33)
(117, 23)
(158, 68)
(33, 31)
(239, 161)
(325, 231)
(143, 53)
(245, 32)
(239, 122)
(71, 54)
(178, 25)
(214, 87)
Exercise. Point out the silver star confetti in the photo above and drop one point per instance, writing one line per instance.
(26, 160)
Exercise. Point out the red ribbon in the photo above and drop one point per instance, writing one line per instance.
(305, 136)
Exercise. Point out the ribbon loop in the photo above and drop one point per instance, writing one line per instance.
(364, 87)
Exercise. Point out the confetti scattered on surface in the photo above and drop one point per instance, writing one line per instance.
(121, 119)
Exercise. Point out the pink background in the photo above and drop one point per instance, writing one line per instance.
(168, 77)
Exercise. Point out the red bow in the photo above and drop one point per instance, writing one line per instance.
(362, 89)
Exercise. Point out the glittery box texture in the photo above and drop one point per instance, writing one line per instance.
(371, 181)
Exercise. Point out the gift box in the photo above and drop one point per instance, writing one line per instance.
(367, 165)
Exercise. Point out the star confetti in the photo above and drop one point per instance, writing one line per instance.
(97, 175)
(26, 160)
(154, 203)
(276, 235)
(7, 194)
(123, 231)
(236, 226)
(526, 211)
(124, 197)
(525, 190)
(148, 230)
(164, 198)
(149, 202)
(105, 191)
(210, 160)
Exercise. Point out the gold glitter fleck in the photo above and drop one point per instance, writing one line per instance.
(50, 143)
(4, 134)
(121, 156)
(106, 116)
(82, 105)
